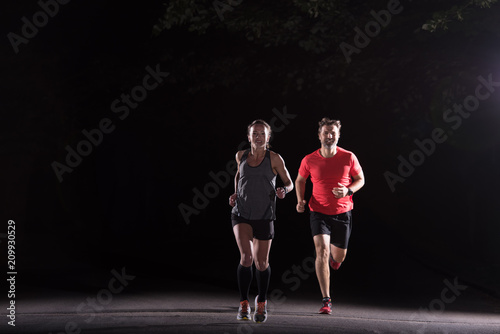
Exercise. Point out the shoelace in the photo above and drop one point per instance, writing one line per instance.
(261, 306)
(244, 307)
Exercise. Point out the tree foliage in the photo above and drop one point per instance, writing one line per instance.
(296, 45)
(441, 19)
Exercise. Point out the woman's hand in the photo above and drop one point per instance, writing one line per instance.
(280, 192)
(232, 199)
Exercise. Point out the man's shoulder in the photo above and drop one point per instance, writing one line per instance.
(344, 151)
(311, 155)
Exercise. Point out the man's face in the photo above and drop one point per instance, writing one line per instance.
(329, 136)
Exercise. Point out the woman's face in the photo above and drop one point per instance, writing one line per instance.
(259, 136)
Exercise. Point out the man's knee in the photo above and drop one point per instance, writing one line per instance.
(339, 258)
(339, 255)
(322, 252)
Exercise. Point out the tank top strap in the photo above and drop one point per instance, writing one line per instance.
(245, 155)
(268, 156)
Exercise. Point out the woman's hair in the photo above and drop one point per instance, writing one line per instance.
(261, 122)
(327, 121)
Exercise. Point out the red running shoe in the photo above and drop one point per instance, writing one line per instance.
(327, 306)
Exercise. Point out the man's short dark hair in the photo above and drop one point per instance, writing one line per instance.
(328, 121)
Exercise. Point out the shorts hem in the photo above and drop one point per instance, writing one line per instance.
(263, 229)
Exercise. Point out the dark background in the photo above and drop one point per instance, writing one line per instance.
(120, 206)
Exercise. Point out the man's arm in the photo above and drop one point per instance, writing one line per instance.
(357, 183)
(300, 189)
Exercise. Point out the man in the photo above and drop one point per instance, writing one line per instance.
(335, 175)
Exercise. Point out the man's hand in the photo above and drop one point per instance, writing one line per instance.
(301, 206)
(340, 192)
(232, 199)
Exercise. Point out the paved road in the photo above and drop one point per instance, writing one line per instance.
(397, 295)
(154, 306)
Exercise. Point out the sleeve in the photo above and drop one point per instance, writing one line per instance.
(355, 166)
(304, 168)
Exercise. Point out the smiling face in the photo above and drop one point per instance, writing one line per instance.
(259, 136)
(329, 136)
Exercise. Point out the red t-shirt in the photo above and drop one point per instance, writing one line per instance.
(325, 174)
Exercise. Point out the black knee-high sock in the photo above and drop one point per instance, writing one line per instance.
(245, 275)
(263, 278)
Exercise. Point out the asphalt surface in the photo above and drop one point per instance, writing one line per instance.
(128, 303)
(378, 291)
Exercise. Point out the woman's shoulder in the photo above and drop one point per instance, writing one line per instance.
(275, 156)
(240, 154)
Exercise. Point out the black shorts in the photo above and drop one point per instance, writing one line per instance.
(263, 229)
(337, 226)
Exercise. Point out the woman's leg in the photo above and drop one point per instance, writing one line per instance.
(243, 234)
(261, 259)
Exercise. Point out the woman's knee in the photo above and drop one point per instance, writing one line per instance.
(246, 260)
(261, 264)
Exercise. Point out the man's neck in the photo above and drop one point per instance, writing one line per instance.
(328, 152)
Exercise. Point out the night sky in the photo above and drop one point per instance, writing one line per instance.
(158, 118)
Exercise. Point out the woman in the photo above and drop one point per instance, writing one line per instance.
(253, 214)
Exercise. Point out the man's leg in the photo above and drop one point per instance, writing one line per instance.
(341, 232)
(338, 256)
(322, 245)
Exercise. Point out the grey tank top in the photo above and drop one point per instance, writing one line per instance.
(256, 190)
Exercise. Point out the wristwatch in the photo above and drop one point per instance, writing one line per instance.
(349, 192)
